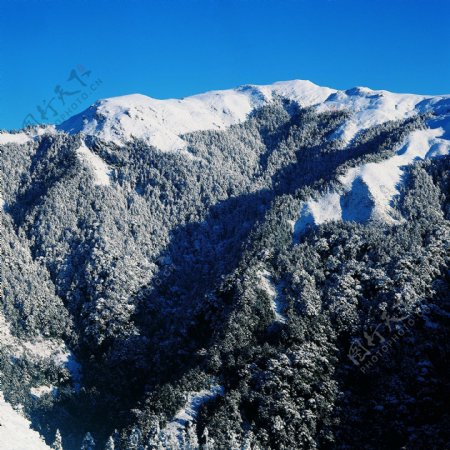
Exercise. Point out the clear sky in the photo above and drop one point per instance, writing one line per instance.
(175, 48)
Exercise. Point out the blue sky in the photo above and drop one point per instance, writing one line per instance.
(176, 48)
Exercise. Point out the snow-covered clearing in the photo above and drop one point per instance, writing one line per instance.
(15, 431)
(39, 391)
(14, 138)
(100, 170)
(54, 350)
(188, 414)
(275, 294)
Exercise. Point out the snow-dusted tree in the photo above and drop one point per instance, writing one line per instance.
(173, 442)
(88, 442)
(57, 444)
(162, 441)
(234, 443)
(191, 440)
(208, 442)
(110, 445)
(135, 439)
(249, 441)
(153, 433)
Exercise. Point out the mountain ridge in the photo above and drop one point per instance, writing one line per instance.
(161, 122)
(209, 291)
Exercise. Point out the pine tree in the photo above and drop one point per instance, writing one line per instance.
(208, 443)
(88, 442)
(249, 440)
(153, 433)
(135, 438)
(173, 443)
(234, 441)
(191, 440)
(57, 444)
(110, 444)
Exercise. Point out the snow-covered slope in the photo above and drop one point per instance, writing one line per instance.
(162, 122)
(26, 135)
(367, 191)
(14, 138)
(369, 108)
(174, 429)
(96, 165)
(15, 431)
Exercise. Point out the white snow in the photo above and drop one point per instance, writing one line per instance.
(6, 338)
(57, 351)
(41, 130)
(275, 294)
(39, 391)
(327, 207)
(40, 349)
(367, 191)
(15, 431)
(100, 170)
(161, 122)
(28, 135)
(370, 108)
(14, 138)
(188, 413)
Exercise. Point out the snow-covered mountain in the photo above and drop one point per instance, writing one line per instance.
(197, 272)
(370, 189)
(161, 123)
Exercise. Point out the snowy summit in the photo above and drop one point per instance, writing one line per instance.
(162, 123)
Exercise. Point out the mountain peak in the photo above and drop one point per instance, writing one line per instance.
(161, 123)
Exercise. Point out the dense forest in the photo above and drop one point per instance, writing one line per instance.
(179, 304)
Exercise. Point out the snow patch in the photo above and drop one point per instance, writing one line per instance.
(188, 414)
(40, 349)
(14, 138)
(275, 294)
(15, 431)
(367, 191)
(39, 391)
(100, 170)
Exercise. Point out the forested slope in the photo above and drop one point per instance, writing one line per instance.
(275, 284)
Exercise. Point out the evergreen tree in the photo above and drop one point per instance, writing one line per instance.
(88, 442)
(57, 443)
(110, 445)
